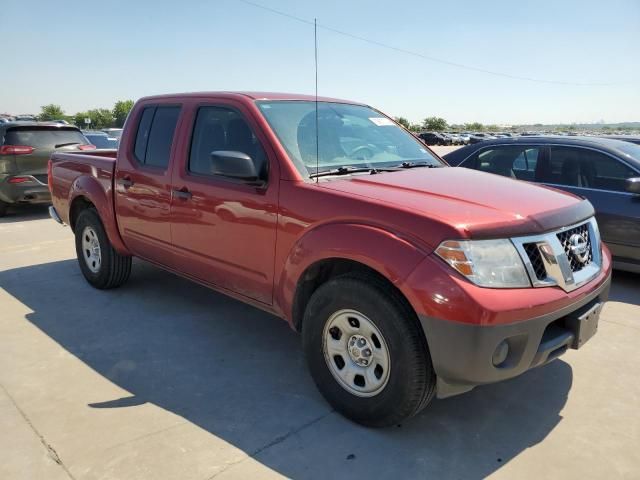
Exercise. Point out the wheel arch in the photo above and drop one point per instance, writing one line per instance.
(338, 249)
(87, 192)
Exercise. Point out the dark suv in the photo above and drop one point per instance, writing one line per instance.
(25, 149)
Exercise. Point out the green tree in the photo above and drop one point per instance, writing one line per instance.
(50, 112)
(436, 124)
(475, 126)
(100, 118)
(120, 111)
(403, 121)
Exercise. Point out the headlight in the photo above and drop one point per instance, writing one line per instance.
(487, 263)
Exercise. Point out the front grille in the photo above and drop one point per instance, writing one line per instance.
(533, 252)
(566, 240)
(564, 258)
(41, 178)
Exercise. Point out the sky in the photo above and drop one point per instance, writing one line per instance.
(82, 55)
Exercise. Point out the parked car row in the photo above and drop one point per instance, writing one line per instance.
(465, 138)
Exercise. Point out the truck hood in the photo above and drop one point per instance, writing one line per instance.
(476, 204)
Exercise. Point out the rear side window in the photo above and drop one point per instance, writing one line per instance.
(44, 137)
(155, 135)
(515, 161)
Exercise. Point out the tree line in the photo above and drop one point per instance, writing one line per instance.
(98, 117)
(439, 124)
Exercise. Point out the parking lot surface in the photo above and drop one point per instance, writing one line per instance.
(163, 378)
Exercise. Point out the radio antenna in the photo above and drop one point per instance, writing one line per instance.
(315, 45)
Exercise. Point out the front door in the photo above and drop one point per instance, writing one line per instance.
(223, 230)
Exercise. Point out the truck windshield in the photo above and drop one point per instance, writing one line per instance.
(348, 136)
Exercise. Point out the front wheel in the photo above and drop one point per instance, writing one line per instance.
(101, 265)
(366, 351)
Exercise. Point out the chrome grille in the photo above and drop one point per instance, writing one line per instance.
(567, 258)
(536, 260)
(565, 239)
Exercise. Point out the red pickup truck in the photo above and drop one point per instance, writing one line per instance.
(407, 278)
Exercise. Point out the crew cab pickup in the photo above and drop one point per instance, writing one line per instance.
(406, 277)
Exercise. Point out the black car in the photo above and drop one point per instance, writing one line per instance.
(627, 138)
(604, 171)
(434, 138)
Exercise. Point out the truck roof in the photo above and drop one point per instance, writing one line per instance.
(251, 95)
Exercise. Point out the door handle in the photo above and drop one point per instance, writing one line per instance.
(125, 183)
(182, 194)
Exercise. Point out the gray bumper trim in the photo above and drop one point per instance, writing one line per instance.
(462, 353)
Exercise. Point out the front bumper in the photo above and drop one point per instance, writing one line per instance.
(465, 324)
(32, 191)
(463, 354)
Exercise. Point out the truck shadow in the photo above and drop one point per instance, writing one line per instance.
(625, 287)
(240, 374)
(22, 213)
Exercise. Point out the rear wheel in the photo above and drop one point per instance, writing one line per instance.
(4, 206)
(101, 265)
(366, 351)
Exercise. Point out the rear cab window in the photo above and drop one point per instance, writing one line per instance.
(154, 138)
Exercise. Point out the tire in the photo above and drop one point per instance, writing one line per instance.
(4, 206)
(103, 268)
(409, 382)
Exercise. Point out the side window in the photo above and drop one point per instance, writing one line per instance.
(155, 135)
(220, 128)
(582, 167)
(604, 172)
(526, 162)
(140, 148)
(515, 161)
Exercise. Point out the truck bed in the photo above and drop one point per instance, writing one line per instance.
(86, 173)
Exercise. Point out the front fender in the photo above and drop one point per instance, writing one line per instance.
(94, 190)
(385, 252)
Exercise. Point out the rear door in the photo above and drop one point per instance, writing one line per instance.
(143, 182)
(224, 230)
(600, 178)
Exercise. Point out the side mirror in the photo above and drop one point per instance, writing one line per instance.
(232, 164)
(632, 185)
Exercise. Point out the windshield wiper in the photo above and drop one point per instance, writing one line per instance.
(66, 144)
(417, 164)
(350, 170)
